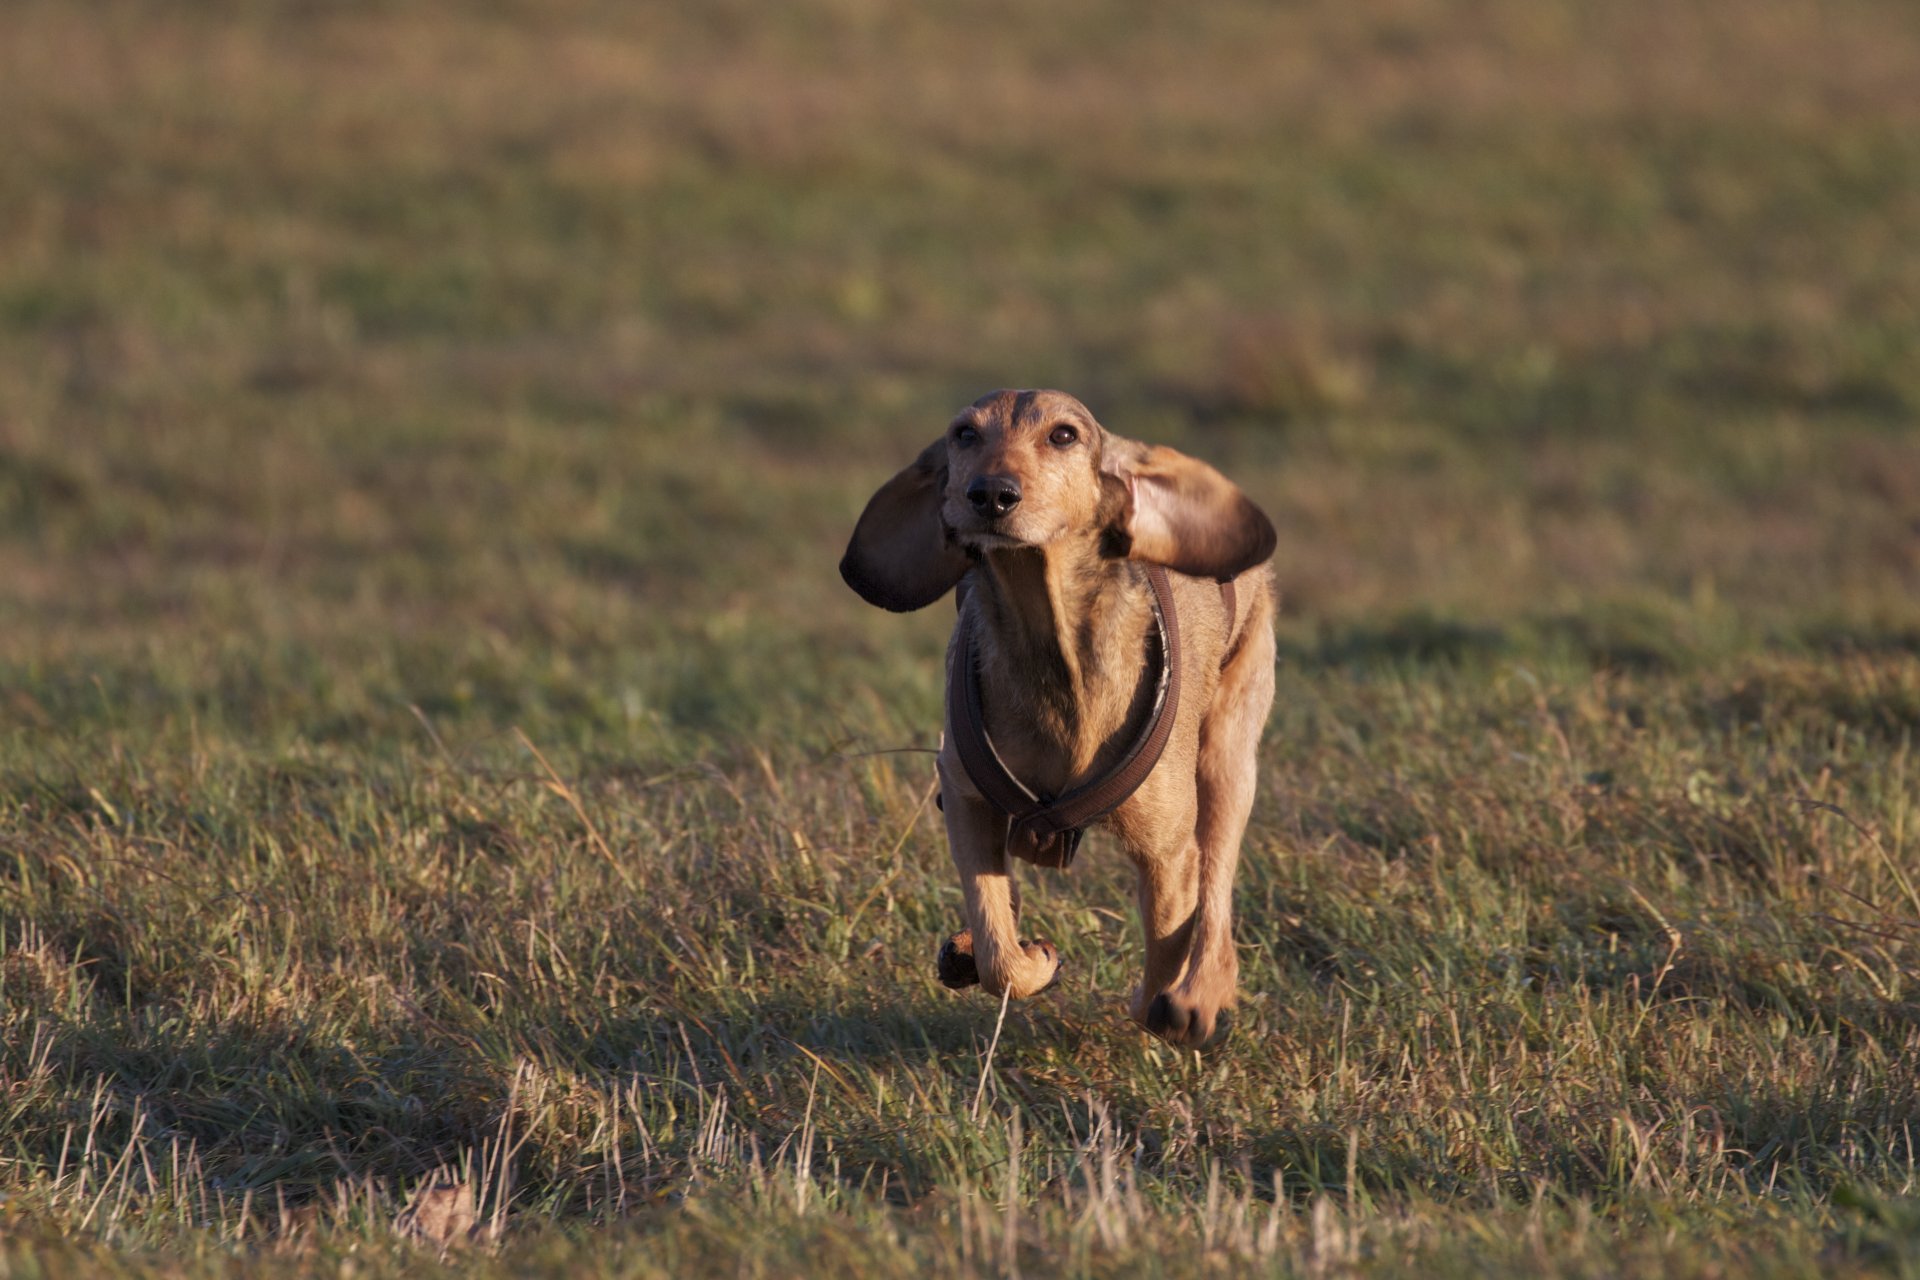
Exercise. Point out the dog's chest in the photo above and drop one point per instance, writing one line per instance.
(1055, 738)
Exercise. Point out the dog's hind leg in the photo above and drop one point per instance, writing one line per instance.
(1226, 770)
(1168, 881)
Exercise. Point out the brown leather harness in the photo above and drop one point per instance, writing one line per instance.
(1045, 829)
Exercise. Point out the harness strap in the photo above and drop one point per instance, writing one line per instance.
(1046, 829)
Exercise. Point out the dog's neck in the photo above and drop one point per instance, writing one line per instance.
(1048, 617)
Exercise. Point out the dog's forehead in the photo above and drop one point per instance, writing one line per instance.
(1016, 409)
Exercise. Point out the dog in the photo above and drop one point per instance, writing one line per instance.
(1111, 593)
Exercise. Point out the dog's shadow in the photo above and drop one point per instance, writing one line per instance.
(882, 1027)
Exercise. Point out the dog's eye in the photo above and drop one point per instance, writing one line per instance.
(1062, 436)
(965, 434)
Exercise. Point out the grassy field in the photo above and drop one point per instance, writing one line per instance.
(439, 765)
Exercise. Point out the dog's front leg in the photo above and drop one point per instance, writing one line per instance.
(977, 837)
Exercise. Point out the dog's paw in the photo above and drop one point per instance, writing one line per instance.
(957, 969)
(1041, 949)
(1187, 1023)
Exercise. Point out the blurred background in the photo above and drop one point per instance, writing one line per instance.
(528, 362)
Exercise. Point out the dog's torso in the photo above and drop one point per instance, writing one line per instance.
(1064, 704)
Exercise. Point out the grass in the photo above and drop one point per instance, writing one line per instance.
(437, 756)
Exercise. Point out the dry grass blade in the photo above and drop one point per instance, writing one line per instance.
(558, 785)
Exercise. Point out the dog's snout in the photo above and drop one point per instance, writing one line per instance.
(994, 495)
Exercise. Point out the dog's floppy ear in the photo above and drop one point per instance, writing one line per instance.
(899, 557)
(1160, 505)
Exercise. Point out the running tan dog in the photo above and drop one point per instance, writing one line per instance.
(1077, 661)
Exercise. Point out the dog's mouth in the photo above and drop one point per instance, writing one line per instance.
(987, 539)
(979, 534)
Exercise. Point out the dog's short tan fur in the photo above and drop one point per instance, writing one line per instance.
(1060, 616)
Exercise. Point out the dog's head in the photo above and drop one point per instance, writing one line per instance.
(1035, 469)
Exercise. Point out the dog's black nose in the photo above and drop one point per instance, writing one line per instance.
(994, 495)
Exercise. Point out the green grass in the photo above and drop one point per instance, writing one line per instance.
(434, 741)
